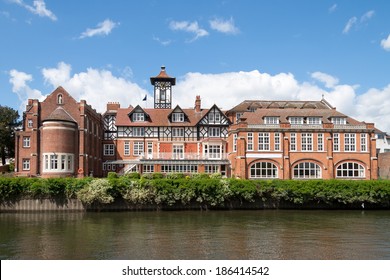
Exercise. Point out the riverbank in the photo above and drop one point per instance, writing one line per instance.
(180, 192)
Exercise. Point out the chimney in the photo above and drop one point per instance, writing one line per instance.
(197, 104)
(113, 106)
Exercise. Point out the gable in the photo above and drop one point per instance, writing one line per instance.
(214, 117)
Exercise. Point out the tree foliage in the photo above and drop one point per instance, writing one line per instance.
(9, 121)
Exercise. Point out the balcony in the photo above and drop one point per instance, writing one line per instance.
(183, 156)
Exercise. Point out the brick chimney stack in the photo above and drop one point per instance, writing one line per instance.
(197, 104)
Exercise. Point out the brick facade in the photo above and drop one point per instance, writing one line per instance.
(255, 139)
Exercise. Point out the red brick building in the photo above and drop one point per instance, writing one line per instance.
(60, 137)
(299, 140)
(255, 139)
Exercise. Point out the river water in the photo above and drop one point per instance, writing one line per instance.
(263, 234)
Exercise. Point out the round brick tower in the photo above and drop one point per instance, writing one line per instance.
(58, 144)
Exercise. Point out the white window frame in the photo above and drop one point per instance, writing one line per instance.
(26, 164)
(307, 142)
(263, 170)
(295, 120)
(211, 168)
(363, 142)
(293, 142)
(277, 141)
(320, 142)
(26, 142)
(263, 141)
(148, 168)
(177, 132)
(30, 123)
(109, 149)
(214, 131)
(177, 117)
(307, 170)
(177, 151)
(58, 162)
(138, 148)
(350, 170)
(313, 120)
(235, 142)
(138, 117)
(138, 131)
(126, 150)
(349, 142)
(271, 120)
(339, 120)
(249, 146)
(336, 142)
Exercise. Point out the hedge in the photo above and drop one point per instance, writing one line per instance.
(184, 190)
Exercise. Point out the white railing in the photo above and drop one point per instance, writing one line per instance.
(348, 126)
(263, 125)
(184, 156)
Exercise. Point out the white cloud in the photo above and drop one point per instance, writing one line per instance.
(224, 26)
(368, 15)
(191, 27)
(162, 42)
(103, 28)
(385, 43)
(333, 8)
(98, 87)
(351, 22)
(38, 8)
(19, 82)
(328, 80)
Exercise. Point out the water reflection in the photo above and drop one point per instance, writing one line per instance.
(196, 235)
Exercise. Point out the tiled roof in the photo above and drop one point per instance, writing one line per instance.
(248, 105)
(60, 114)
(163, 76)
(159, 117)
(257, 117)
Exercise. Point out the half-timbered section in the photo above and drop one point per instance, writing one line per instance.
(162, 139)
(299, 140)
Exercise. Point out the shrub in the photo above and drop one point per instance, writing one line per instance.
(96, 191)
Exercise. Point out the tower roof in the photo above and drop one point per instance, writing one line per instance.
(59, 114)
(163, 76)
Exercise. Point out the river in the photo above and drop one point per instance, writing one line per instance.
(262, 234)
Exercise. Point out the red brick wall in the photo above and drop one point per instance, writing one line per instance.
(384, 165)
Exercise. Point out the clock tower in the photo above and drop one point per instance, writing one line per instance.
(163, 89)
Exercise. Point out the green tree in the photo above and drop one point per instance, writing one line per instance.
(9, 121)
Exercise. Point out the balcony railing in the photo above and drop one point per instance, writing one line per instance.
(184, 156)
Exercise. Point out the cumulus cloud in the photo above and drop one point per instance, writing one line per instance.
(191, 27)
(385, 43)
(98, 87)
(224, 26)
(38, 8)
(102, 29)
(328, 80)
(20, 87)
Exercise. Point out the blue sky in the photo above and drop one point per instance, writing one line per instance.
(225, 51)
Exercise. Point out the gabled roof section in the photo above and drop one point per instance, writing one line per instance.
(213, 109)
(138, 109)
(178, 109)
(60, 114)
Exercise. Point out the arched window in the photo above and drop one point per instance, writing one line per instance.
(307, 170)
(263, 169)
(350, 170)
(59, 99)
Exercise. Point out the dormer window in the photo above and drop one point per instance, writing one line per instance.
(271, 120)
(296, 120)
(339, 120)
(177, 117)
(313, 120)
(138, 117)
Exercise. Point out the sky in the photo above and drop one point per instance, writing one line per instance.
(226, 51)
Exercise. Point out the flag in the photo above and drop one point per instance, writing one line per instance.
(146, 96)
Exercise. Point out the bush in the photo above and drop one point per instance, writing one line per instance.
(96, 191)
